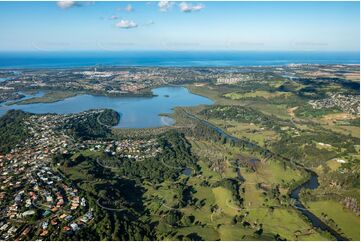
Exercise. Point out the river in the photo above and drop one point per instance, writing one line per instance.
(311, 183)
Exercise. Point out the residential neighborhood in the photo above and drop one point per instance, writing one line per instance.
(34, 197)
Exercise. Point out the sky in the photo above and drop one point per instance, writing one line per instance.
(164, 25)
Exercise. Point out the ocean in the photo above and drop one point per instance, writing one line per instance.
(172, 58)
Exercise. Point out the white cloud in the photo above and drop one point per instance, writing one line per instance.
(129, 8)
(164, 6)
(126, 24)
(66, 4)
(198, 7)
(69, 4)
(188, 7)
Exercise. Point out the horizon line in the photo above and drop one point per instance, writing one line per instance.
(163, 50)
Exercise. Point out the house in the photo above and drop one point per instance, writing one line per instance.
(67, 228)
(45, 225)
(28, 213)
(44, 233)
(25, 231)
(74, 226)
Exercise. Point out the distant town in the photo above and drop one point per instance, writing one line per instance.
(122, 81)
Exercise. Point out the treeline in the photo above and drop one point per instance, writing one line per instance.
(234, 186)
(288, 100)
(246, 87)
(12, 130)
(353, 122)
(111, 226)
(183, 194)
(320, 82)
(308, 111)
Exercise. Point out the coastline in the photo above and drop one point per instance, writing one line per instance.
(230, 58)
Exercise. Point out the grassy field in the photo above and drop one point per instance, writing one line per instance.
(224, 200)
(237, 232)
(348, 222)
(330, 122)
(251, 131)
(287, 223)
(213, 94)
(204, 91)
(279, 111)
(333, 164)
(283, 221)
(342, 129)
(265, 94)
(208, 232)
(218, 224)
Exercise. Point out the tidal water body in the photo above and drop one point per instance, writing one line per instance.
(48, 59)
(135, 112)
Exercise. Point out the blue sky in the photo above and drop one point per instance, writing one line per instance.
(264, 26)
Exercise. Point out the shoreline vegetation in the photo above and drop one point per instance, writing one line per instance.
(51, 96)
(48, 97)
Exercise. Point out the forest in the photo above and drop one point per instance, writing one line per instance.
(13, 130)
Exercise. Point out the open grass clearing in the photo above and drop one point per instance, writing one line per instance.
(286, 222)
(264, 94)
(347, 221)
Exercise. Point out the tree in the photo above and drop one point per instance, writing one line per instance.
(173, 217)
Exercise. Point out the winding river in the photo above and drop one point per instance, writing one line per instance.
(311, 183)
